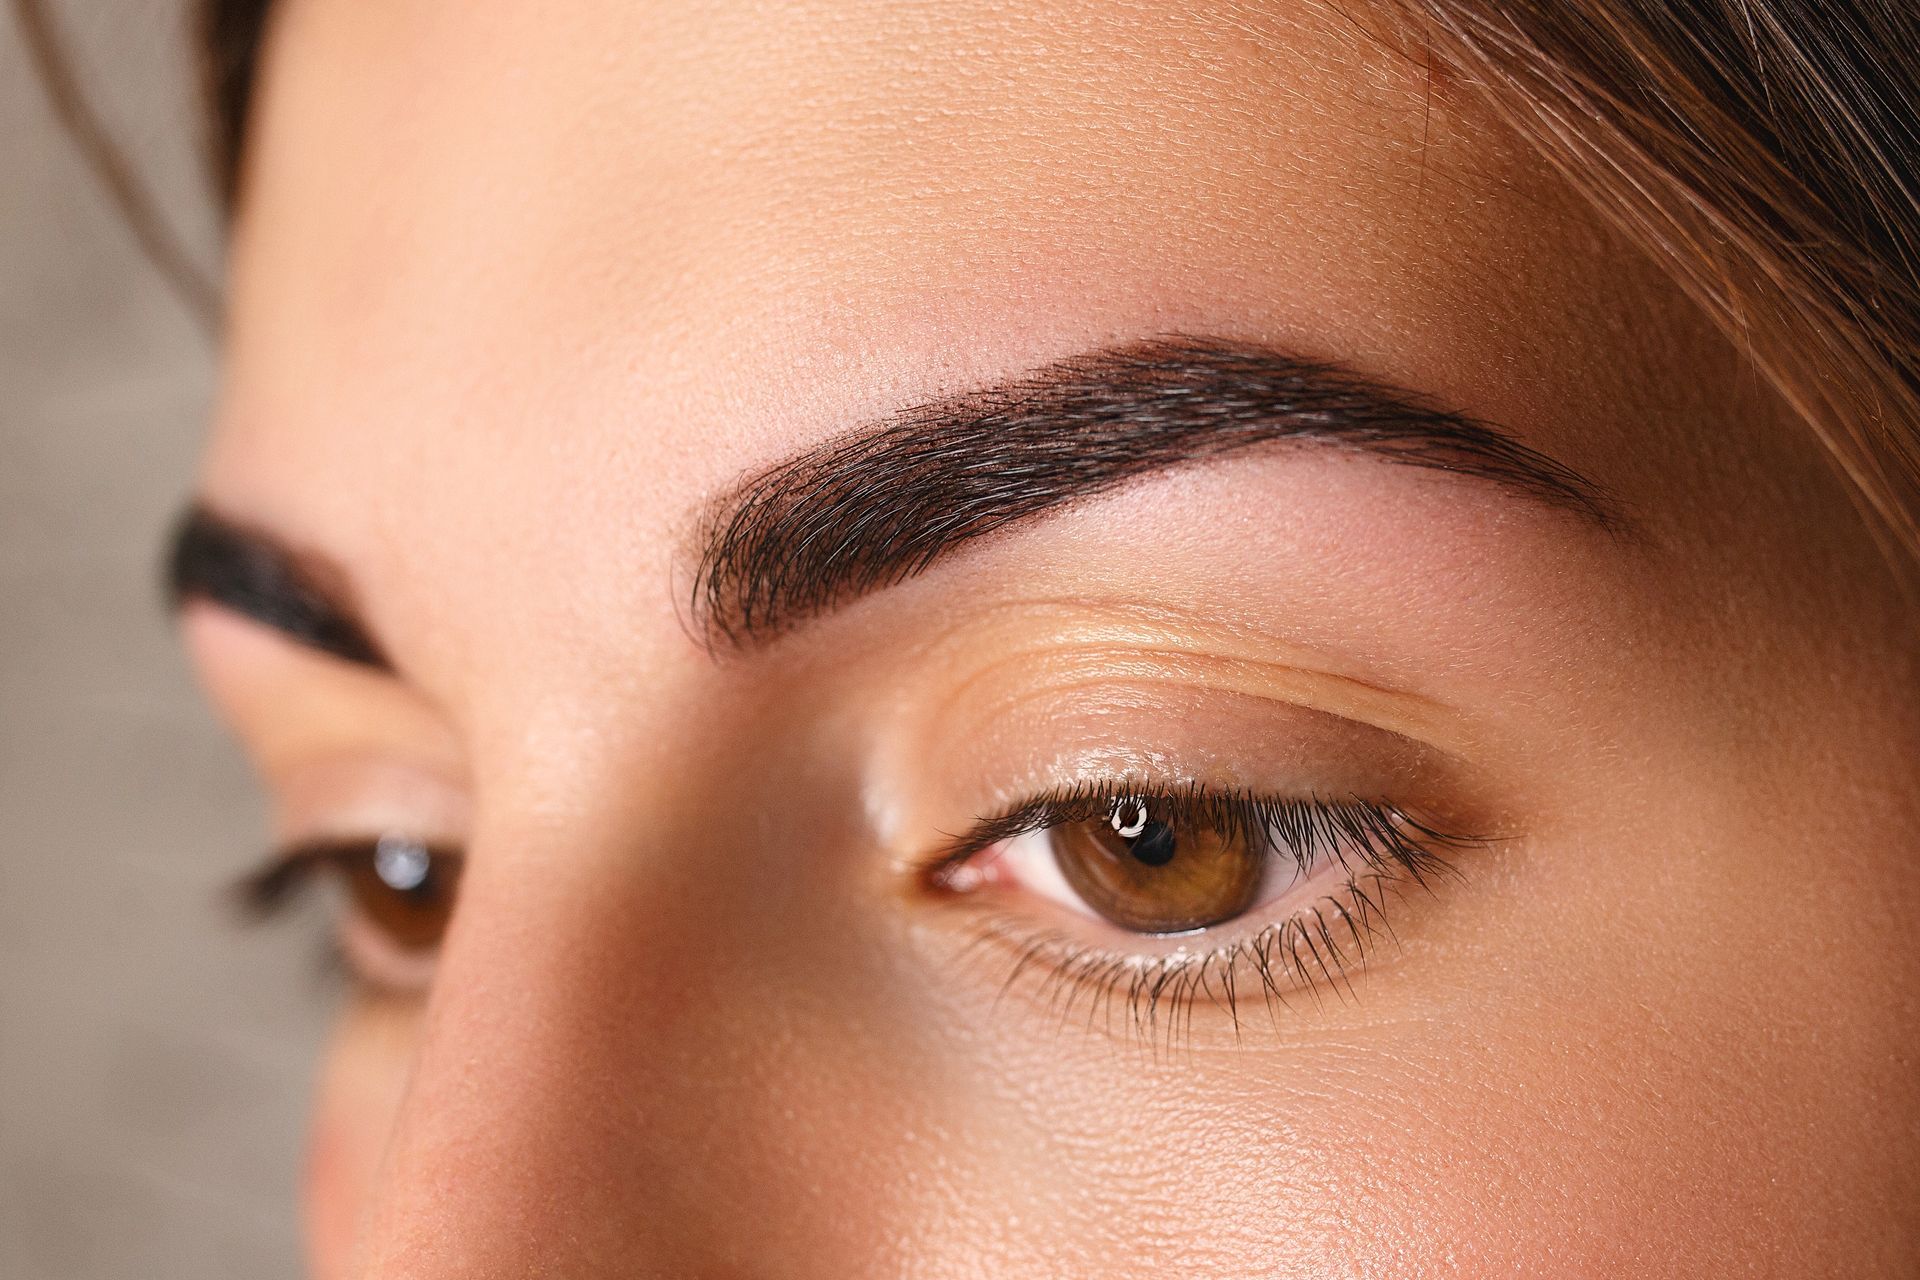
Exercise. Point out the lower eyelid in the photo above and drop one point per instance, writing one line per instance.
(376, 962)
(1150, 988)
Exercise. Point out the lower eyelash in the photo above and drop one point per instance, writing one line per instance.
(1151, 999)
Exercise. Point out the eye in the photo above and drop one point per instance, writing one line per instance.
(1186, 896)
(399, 891)
(1190, 859)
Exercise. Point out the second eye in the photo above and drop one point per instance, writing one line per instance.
(401, 887)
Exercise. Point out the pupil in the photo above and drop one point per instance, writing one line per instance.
(1155, 846)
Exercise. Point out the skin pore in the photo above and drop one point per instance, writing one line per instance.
(522, 295)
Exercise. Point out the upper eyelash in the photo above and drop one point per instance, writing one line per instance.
(1383, 834)
(272, 886)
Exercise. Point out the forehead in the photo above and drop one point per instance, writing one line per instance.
(577, 266)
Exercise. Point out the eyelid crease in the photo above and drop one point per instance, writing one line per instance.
(1148, 627)
(1366, 705)
(1124, 647)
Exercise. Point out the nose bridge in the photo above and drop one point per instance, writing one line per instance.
(542, 1089)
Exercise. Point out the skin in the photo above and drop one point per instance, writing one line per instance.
(518, 290)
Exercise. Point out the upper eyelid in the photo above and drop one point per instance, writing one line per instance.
(1150, 643)
(337, 748)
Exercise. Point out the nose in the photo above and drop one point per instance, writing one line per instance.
(612, 1080)
(532, 1135)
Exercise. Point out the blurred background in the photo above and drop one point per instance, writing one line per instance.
(154, 1056)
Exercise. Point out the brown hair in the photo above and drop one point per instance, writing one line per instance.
(230, 33)
(1767, 152)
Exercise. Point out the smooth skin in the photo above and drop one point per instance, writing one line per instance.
(518, 289)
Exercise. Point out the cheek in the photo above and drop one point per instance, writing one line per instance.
(358, 1101)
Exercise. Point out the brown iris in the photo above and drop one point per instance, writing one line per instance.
(1158, 876)
(404, 889)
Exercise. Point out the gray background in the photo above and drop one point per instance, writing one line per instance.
(154, 1058)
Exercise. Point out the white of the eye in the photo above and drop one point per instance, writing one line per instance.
(401, 862)
(1134, 828)
(1028, 860)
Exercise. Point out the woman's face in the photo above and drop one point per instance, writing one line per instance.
(1062, 640)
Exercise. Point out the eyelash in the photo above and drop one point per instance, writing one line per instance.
(1380, 848)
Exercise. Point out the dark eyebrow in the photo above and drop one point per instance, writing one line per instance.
(254, 574)
(871, 510)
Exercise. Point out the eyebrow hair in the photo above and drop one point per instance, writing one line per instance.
(254, 574)
(866, 512)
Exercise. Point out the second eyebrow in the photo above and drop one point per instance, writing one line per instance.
(858, 515)
(253, 574)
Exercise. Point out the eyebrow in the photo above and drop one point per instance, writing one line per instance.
(873, 509)
(254, 574)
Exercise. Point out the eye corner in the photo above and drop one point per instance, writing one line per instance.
(953, 869)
